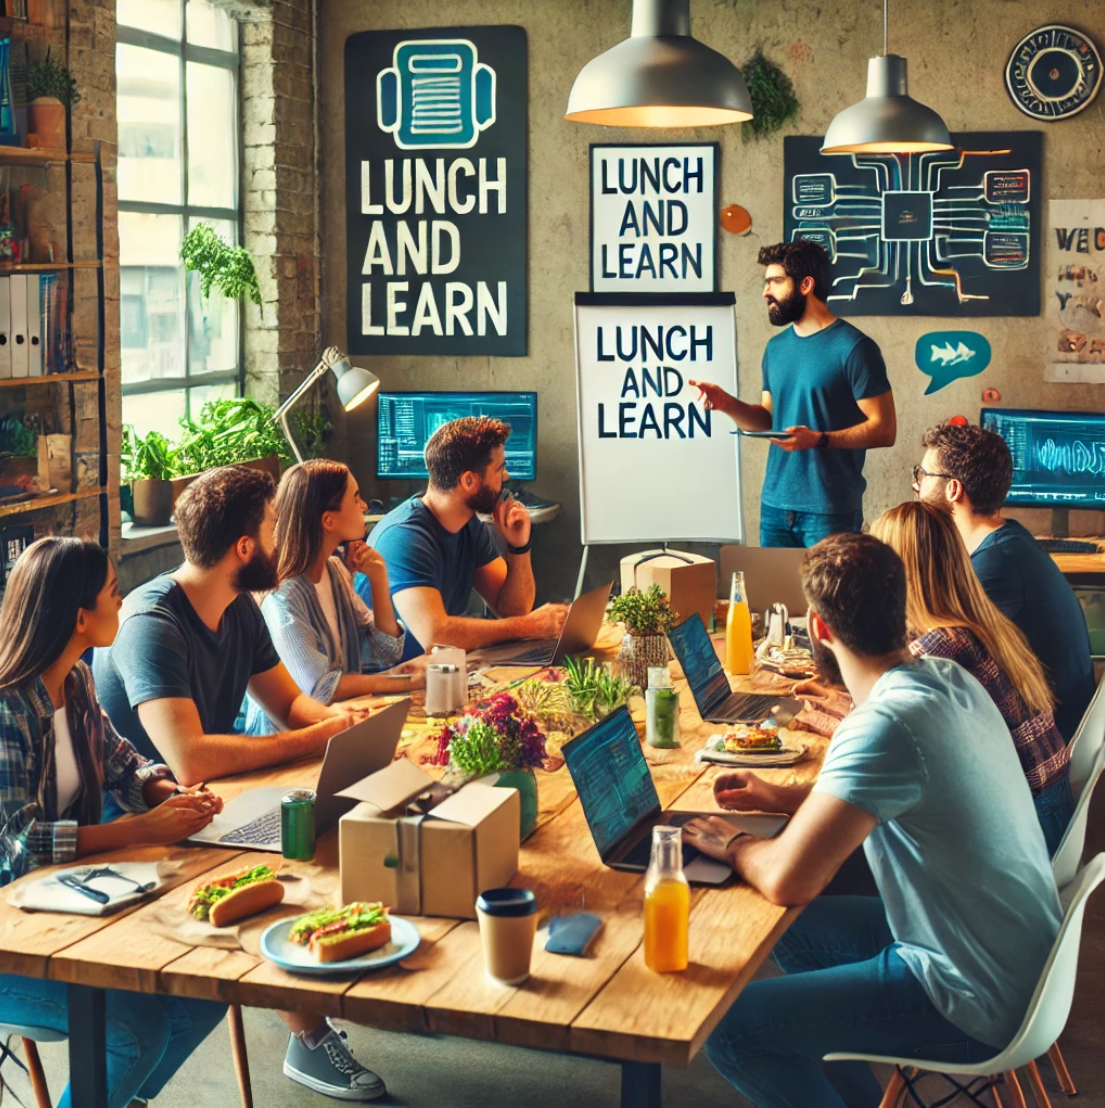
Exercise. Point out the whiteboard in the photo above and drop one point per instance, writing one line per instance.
(654, 466)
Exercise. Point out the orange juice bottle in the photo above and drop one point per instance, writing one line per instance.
(738, 629)
(667, 903)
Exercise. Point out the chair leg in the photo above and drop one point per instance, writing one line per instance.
(998, 1102)
(1039, 1093)
(1016, 1093)
(894, 1089)
(38, 1078)
(238, 1050)
(1061, 1071)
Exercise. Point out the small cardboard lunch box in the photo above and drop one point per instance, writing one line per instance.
(690, 580)
(426, 865)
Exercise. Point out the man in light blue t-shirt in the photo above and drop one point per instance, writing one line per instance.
(944, 962)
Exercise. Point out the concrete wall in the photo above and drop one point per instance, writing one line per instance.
(957, 51)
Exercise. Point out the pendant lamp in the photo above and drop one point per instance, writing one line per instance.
(660, 77)
(888, 120)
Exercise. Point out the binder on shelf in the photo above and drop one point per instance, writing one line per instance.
(17, 286)
(5, 330)
(34, 325)
(49, 326)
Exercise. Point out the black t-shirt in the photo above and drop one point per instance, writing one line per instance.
(164, 650)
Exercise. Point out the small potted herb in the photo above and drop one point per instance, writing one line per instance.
(51, 92)
(148, 464)
(594, 689)
(646, 616)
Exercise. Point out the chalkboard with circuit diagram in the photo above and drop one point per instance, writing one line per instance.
(948, 233)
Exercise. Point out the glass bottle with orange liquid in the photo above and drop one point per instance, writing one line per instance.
(667, 903)
(738, 629)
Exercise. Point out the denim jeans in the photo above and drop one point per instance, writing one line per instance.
(783, 528)
(845, 989)
(1054, 807)
(148, 1037)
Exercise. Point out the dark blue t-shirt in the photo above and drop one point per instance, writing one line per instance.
(420, 553)
(815, 382)
(164, 650)
(1022, 580)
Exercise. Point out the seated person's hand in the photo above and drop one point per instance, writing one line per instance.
(177, 818)
(547, 621)
(359, 708)
(416, 667)
(741, 790)
(711, 835)
(512, 522)
(362, 558)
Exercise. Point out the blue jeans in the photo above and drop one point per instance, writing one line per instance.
(1054, 807)
(148, 1037)
(846, 989)
(782, 528)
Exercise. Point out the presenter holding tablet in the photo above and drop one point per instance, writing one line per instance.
(825, 386)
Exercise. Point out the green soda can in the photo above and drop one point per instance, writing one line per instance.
(297, 824)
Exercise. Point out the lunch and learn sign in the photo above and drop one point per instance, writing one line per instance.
(436, 189)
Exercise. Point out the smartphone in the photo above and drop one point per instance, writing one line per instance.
(777, 435)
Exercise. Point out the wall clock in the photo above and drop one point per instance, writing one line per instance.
(1053, 73)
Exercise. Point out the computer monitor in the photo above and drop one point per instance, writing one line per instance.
(406, 420)
(1058, 457)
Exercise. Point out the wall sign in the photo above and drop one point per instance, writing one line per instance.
(435, 157)
(1053, 73)
(1076, 291)
(948, 234)
(653, 221)
(945, 356)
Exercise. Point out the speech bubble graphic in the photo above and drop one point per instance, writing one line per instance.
(946, 356)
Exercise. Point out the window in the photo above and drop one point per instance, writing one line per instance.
(176, 62)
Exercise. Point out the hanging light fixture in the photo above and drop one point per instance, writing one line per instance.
(660, 77)
(888, 120)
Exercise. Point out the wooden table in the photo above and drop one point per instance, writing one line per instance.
(608, 1005)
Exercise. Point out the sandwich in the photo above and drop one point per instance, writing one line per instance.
(231, 898)
(753, 740)
(335, 934)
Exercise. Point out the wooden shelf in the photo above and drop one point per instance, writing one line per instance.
(16, 382)
(40, 155)
(47, 501)
(46, 267)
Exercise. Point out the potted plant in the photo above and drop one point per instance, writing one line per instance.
(593, 688)
(500, 744)
(51, 92)
(19, 469)
(148, 464)
(646, 616)
(220, 266)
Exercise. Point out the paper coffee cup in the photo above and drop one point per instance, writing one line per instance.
(508, 924)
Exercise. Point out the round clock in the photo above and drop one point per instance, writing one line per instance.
(1053, 73)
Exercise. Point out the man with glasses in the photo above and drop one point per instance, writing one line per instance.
(967, 471)
(825, 386)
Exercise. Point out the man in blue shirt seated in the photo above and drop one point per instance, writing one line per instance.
(825, 385)
(437, 550)
(967, 471)
(945, 960)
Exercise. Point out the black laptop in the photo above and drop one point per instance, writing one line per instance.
(621, 805)
(715, 700)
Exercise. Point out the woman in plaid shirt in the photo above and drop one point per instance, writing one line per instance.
(58, 755)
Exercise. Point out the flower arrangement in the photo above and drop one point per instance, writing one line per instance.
(643, 613)
(500, 736)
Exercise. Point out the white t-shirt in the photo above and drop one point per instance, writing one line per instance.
(325, 589)
(65, 761)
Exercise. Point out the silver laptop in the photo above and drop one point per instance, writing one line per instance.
(252, 819)
(580, 630)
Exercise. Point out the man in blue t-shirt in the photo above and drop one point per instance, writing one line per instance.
(437, 550)
(825, 385)
(943, 963)
(967, 471)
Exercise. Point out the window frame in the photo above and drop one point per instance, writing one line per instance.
(186, 52)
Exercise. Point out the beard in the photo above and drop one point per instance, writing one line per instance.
(258, 574)
(936, 499)
(825, 660)
(483, 501)
(788, 310)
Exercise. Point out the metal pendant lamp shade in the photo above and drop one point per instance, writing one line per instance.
(660, 77)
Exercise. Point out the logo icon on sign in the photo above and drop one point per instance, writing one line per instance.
(436, 95)
(946, 356)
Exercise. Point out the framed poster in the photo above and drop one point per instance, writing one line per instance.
(654, 218)
(436, 191)
(1075, 291)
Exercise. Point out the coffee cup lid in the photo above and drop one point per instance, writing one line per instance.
(507, 902)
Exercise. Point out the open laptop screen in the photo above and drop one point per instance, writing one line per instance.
(701, 665)
(611, 776)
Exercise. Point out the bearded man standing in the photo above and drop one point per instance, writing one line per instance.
(825, 387)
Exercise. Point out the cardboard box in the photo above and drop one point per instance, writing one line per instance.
(690, 580)
(433, 865)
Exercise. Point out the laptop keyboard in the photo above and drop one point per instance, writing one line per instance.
(641, 852)
(538, 656)
(750, 707)
(263, 831)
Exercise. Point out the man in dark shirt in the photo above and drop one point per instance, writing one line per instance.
(967, 471)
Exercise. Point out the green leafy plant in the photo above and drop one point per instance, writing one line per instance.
(312, 430)
(219, 265)
(773, 101)
(229, 431)
(643, 613)
(150, 459)
(501, 736)
(51, 78)
(594, 689)
(17, 440)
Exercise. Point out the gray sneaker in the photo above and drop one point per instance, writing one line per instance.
(331, 1069)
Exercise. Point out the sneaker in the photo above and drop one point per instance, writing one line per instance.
(331, 1069)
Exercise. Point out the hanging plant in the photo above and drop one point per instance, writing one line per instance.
(227, 268)
(773, 101)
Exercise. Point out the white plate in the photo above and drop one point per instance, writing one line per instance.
(277, 948)
(790, 753)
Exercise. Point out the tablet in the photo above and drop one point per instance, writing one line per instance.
(761, 434)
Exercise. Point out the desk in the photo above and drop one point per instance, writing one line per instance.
(1080, 564)
(607, 1006)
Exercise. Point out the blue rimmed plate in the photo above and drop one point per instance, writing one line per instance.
(281, 951)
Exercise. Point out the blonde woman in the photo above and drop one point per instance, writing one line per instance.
(949, 615)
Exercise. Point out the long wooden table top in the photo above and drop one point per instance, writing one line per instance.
(608, 1004)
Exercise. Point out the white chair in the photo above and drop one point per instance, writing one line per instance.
(1088, 740)
(1046, 1016)
(31, 1036)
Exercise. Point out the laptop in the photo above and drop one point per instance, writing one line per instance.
(716, 701)
(580, 630)
(621, 805)
(771, 574)
(252, 819)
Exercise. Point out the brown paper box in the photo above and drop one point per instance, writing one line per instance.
(691, 586)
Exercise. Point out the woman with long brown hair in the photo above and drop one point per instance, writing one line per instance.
(59, 755)
(950, 616)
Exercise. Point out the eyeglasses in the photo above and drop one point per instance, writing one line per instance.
(920, 471)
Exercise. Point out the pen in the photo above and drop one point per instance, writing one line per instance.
(398, 676)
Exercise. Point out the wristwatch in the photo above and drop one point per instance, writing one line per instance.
(823, 442)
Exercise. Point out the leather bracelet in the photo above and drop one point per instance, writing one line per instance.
(823, 442)
(516, 550)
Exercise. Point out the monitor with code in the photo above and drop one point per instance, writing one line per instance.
(408, 419)
(1058, 457)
